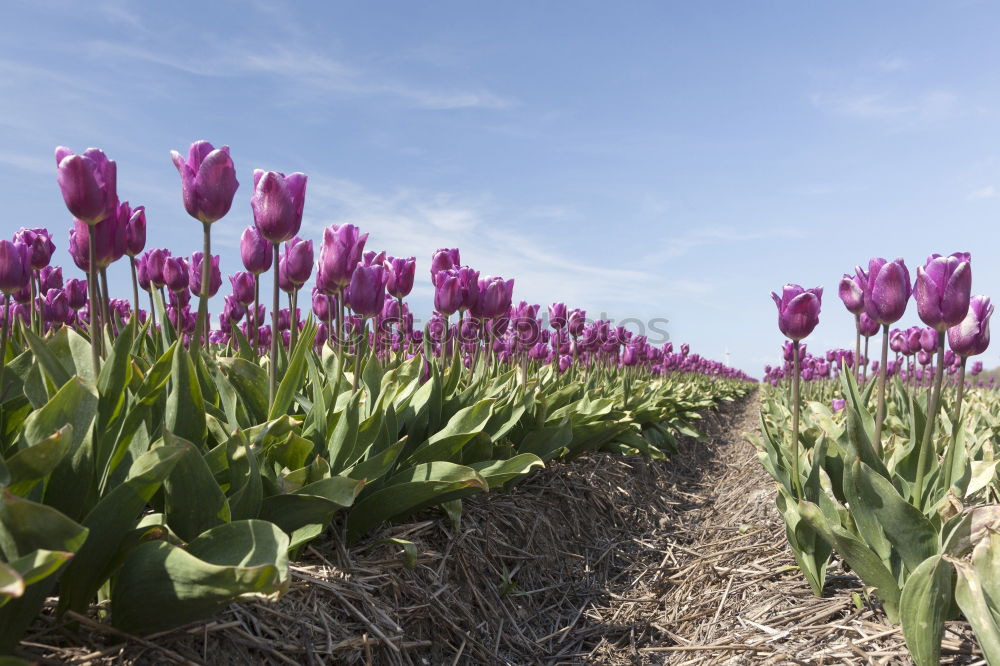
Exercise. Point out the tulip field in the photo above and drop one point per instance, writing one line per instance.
(159, 462)
(893, 472)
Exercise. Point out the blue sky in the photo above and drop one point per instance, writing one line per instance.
(644, 159)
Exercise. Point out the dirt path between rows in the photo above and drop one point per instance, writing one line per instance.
(605, 560)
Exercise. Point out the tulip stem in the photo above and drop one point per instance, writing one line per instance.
(135, 287)
(206, 275)
(955, 424)
(880, 414)
(926, 442)
(106, 304)
(340, 328)
(358, 347)
(864, 362)
(93, 307)
(796, 484)
(857, 344)
(252, 321)
(293, 318)
(152, 312)
(272, 369)
(3, 344)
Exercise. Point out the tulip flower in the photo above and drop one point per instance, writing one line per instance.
(468, 284)
(76, 293)
(88, 183)
(971, 336)
(243, 287)
(15, 266)
(943, 288)
(208, 181)
(40, 243)
(447, 292)
(557, 315)
(339, 255)
(443, 260)
(401, 274)
(56, 307)
(366, 293)
(255, 251)
(297, 262)
(798, 310)
(175, 274)
(277, 204)
(196, 272)
(50, 277)
(887, 291)
(852, 291)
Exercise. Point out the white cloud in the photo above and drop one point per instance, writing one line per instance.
(915, 109)
(987, 192)
(681, 244)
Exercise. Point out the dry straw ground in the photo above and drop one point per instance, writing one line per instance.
(602, 560)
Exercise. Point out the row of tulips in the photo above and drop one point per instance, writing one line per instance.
(898, 478)
(143, 451)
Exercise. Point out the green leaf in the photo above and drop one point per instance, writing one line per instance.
(185, 415)
(250, 382)
(499, 472)
(48, 361)
(33, 464)
(109, 522)
(345, 434)
(292, 379)
(923, 607)
(313, 505)
(161, 586)
(547, 441)
(193, 501)
(445, 444)
(411, 490)
(979, 608)
(409, 550)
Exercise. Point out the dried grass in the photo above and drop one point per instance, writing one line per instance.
(601, 560)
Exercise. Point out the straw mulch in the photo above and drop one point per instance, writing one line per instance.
(601, 560)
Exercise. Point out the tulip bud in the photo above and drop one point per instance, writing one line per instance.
(447, 292)
(295, 265)
(135, 231)
(255, 251)
(366, 293)
(798, 310)
(208, 180)
(867, 326)
(338, 257)
(401, 274)
(321, 305)
(277, 204)
(215, 275)
(943, 289)
(557, 315)
(971, 336)
(76, 293)
(175, 274)
(928, 340)
(88, 183)
(852, 292)
(15, 266)
(888, 290)
(55, 307)
(243, 287)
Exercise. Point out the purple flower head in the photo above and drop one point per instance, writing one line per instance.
(401, 274)
(928, 340)
(135, 231)
(577, 319)
(888, 290)
(943, 288)
(447, 292)
(444, 259)
(51, 277)
(340, 254)
(208, 180)
(277, 203)
(175, 274)
(89, 183)
(155, 261)
(366, 293)
(40, 243)
(852, 291)
(798, 310)
(15, 266)
(108, 237)
(557, 315)
(971, 336)
(215, 275)
(55, 307)
(867, 326)
(321, 305)
(243, 287)
(468, 283)
(493, 298)
(142, 272)
(255, 251)
(296, 264)
(76, 293)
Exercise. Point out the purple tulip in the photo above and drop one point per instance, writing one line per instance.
(277, 204)
(15, 266)
(971, 336)
(55, 306)
(943, 288)
(444, 259)
(142, 273)
(557, 315)
(366, 293)
(494, 297)
(798, 310)
(109, 239)
(321, 305)
(447, 292)
(215, 275)
(468, 283)
(175, 274)
(255, 251)
(232, 312)
(76, 293)
(50, 277)
(867, 326)
(243, 287)
(88, 183)
(296, 264)
(338, 257)
(887, 291)
(40, 243)
(401, 274)
(577, 320)
(928, 340)
(852, 291)
(135, 231)
(208, 181)
(156, 259)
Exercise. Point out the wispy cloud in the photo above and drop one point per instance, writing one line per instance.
(304, 71)
(987, 192)
(682, 244)
(920, 108)
(893, 64)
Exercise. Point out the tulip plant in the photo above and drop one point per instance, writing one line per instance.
(897, 478)
(142, 450)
